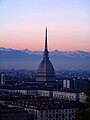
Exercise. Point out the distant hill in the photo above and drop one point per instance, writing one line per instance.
(13, 58)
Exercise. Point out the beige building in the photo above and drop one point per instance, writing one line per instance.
(82, 97)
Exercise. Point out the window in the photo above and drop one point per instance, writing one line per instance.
(50, 116)
(56, 115)
(59, 114)
(41, 115)
(41, 112)
(46, 115)
(56, 110)
(46, 111)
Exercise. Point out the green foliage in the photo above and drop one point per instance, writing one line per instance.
(83, 114)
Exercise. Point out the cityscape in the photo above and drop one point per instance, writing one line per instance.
(44, 83)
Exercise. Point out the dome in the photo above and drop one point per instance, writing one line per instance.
(45, 71)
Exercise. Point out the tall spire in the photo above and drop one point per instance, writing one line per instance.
(46, 47)
(45, 70)
(46, 38)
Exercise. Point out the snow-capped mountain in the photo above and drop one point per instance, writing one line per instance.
(76, 53)
(70, 53)
(13, 58)
(6, 49)
(26, 51)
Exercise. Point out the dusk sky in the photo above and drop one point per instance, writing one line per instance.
(23, 22)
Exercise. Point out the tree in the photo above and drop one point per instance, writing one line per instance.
(83, 112)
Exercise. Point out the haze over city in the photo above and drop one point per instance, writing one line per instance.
(23, 22)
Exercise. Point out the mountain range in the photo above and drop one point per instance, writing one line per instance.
(13, 58)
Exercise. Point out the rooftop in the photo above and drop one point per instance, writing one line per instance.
(42, 103)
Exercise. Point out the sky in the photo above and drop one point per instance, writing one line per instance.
(23, 22)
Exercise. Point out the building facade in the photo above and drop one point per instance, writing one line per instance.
(72, 96)
(54, 114)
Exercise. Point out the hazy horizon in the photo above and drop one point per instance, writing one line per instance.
(43, 49)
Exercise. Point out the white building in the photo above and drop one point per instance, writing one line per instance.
(2, 79)
(66, 83)
(65, 95)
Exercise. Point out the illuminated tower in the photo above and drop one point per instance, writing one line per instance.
(45, 70)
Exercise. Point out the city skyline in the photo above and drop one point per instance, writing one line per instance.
(23, 22)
